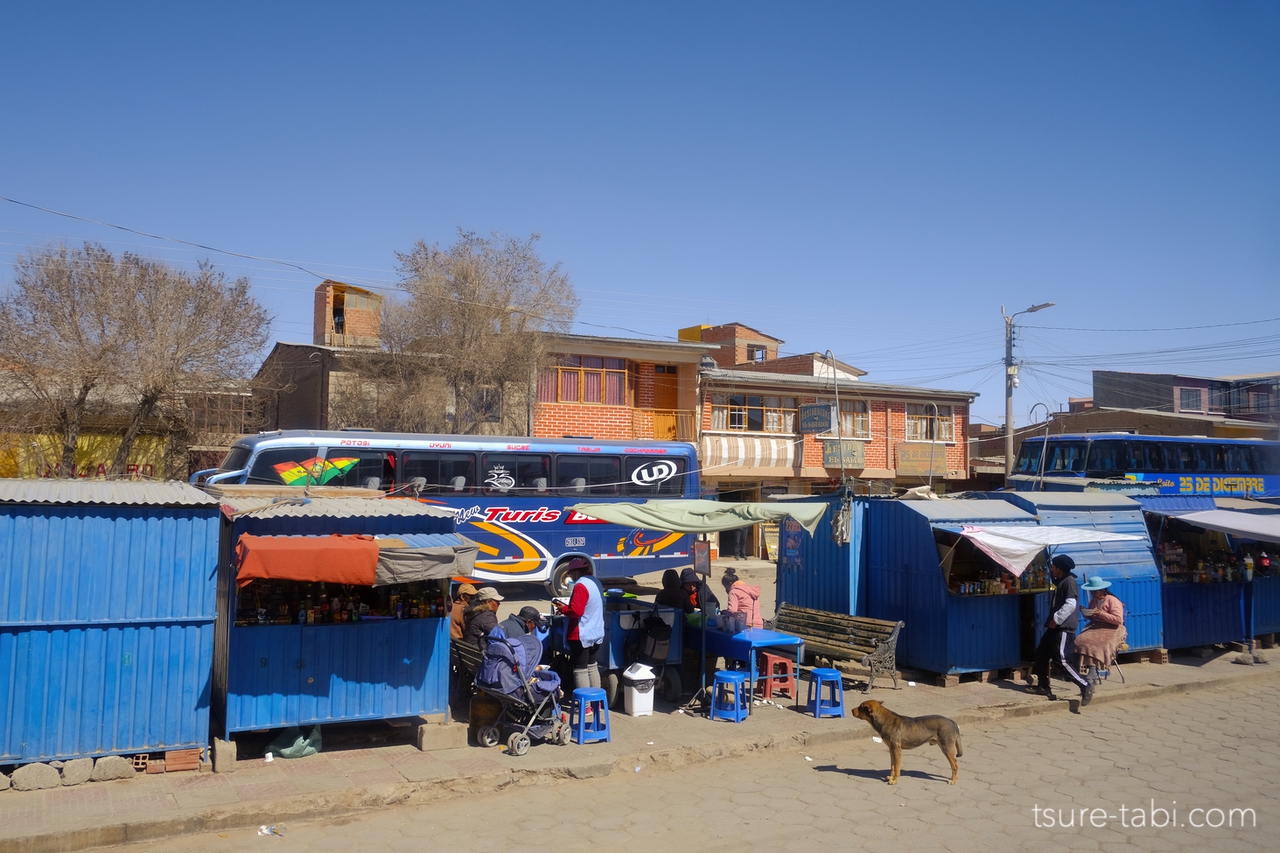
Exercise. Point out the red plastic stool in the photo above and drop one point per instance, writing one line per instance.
(772, 666)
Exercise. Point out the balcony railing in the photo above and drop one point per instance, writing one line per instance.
(663, 424)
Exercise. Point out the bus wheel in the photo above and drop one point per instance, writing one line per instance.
(559, 586)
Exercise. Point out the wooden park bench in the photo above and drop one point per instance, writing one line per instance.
(836, 636)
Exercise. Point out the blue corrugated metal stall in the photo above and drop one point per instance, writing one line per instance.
(1129, 566)
(818, 572)
(943, 632)
(269, 676)
(107, 611)
(1196, 614)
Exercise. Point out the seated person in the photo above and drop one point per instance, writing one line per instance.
(482, 616)
(1104, 633)
(743, 598)
(700, 595)
(672, 594)
(527, 621)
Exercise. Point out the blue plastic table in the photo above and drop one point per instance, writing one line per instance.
(742, 645)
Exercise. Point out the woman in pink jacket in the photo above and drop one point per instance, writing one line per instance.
(743, 598)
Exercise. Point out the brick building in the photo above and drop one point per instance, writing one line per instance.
(623, 388)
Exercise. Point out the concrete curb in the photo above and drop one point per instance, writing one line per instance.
(358, 800)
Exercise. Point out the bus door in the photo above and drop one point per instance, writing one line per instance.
(583, 477)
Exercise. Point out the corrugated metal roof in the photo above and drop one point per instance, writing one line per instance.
(335, 508)
(1084, 501)
(968, 511)
(107, 492)
(433, 540)
(1175, 504)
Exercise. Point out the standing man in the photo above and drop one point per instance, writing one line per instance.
(1060, 628)
(586, 622)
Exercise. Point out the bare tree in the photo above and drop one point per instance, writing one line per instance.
(184, 332)
(477, 320)
(127, 337)
(62, 339)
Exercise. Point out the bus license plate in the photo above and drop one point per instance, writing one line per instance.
(575, 541)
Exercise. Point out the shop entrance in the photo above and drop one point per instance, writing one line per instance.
(729, 539)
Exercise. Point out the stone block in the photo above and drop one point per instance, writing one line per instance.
(35, 777)
(77, 771)
(112, 767)
(224, 756)
(432, 736)
(4, 782)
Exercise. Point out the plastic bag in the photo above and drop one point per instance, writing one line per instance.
(292, 743)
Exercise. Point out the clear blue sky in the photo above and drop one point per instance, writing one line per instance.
(873, 178)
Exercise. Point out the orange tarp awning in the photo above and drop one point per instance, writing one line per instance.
(333, 559)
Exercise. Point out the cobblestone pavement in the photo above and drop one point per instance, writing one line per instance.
(1144, 766)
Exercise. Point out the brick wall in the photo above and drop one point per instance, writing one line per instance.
(552, 420)
(362, 316)
(888, 428)
(734, 340)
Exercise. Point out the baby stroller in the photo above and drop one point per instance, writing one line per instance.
(528, 696)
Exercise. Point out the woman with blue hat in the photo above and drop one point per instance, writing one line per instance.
(1104, 633)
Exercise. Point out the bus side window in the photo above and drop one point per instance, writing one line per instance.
(289, 466)
(367, 469)
(445, 473)
(516, 473)
(596, 475)
(650, 476)
(1146, 456)
(1029, 457)
(1240, 459)
(1106, 458)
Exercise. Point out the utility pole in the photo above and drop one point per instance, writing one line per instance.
(1011, 382)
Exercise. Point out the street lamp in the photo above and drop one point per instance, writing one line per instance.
(1011, 382)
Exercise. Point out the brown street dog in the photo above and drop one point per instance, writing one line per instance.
(899, 733)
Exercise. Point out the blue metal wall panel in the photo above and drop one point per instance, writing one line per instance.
(1130, 567)
(943, 632)
(828, 576)
(285, 675)
(1201, 614)
(106, 629)
(282, 675)
(1265, 593)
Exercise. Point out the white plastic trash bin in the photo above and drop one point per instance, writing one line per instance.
(637, 690)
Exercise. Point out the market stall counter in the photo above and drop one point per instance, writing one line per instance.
(1221, 584)
(333, 610)
(632, 634)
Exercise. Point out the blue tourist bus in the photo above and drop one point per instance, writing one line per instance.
(511, 494)
(1174, 465)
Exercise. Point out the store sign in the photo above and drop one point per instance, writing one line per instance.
(921, 458)
(815, 418)
(843, 454)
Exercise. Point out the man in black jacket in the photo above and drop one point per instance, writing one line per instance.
(1060, 628)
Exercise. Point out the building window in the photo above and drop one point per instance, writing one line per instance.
(751, 413)
(588, 379)
(1191, 399)
(1259, 401)
(924, 425)
(757, 353)
(855, 419)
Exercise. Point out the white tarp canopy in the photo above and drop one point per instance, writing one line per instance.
(1245, 525)
(1015, 546)
(702, 516)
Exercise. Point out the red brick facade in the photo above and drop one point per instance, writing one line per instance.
(360, 311)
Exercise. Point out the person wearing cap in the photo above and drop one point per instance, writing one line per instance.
(1101, 638)
(527, 621)
(482, 616)
(465, 595)
(673, 595)
(585, 612)
(1060, 627)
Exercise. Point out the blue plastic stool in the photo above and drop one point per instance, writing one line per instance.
(730, 699)
(833, 706)
(597, 728)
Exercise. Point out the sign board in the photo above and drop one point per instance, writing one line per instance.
(921, 458)
(815, 418)
(845, 453)
(702, 557)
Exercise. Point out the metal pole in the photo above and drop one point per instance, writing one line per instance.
(1009, 376)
